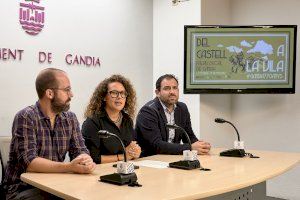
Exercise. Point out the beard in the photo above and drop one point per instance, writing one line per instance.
(170, 102)
(58, 106)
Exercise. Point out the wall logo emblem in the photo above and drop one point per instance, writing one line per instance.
(32, 16)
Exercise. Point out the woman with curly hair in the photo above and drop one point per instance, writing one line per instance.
(111, 108)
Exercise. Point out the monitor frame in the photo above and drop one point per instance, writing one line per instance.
(274, 90)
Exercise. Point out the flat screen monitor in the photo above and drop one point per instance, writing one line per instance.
(240, 59)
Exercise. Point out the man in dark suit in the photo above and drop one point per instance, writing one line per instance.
(152, 134)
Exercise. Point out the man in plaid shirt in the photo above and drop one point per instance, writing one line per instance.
(42, 134)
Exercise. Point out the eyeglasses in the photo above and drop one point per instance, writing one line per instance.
(115, 94)
(66, 90)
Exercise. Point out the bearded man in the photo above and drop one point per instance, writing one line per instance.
(152, 134)
(42, 134)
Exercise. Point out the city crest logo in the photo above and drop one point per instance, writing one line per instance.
(32, 16)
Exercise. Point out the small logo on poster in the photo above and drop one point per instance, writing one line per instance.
(32, 16)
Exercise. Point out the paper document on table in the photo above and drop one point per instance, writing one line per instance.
(152, 163)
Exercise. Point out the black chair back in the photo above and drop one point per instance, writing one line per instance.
(2, 192)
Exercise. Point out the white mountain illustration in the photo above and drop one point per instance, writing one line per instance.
(234, 49)
(262, 47)
(244, 43)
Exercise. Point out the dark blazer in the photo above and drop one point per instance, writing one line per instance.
(152, 134)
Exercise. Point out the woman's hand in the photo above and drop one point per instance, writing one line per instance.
(133, 150)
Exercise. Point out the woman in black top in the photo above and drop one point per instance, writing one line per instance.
(111, 108)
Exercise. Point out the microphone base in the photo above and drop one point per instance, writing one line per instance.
(233, 153)
(119, 179)
(185, 164)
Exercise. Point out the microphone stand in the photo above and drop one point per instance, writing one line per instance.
(236, 152)
(127, 174)
(184, 164)
(221, 121)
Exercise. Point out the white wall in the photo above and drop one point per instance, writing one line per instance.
(271, 122)
(168, 33)
(265, 121)
(118, 32)
(216, 105)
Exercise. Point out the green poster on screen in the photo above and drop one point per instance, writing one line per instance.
(239, 57)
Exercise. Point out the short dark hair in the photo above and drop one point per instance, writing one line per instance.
(46, 79)
(166, 76)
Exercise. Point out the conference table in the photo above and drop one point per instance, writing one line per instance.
(229, 178)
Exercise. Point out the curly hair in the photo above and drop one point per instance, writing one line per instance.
(97, 103)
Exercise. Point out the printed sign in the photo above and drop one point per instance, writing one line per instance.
(240, 57)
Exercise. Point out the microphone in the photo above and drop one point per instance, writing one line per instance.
(174, 126)
(105, 134)
(221, 121)
(238, 150)
(190, 160)
(125, 171)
